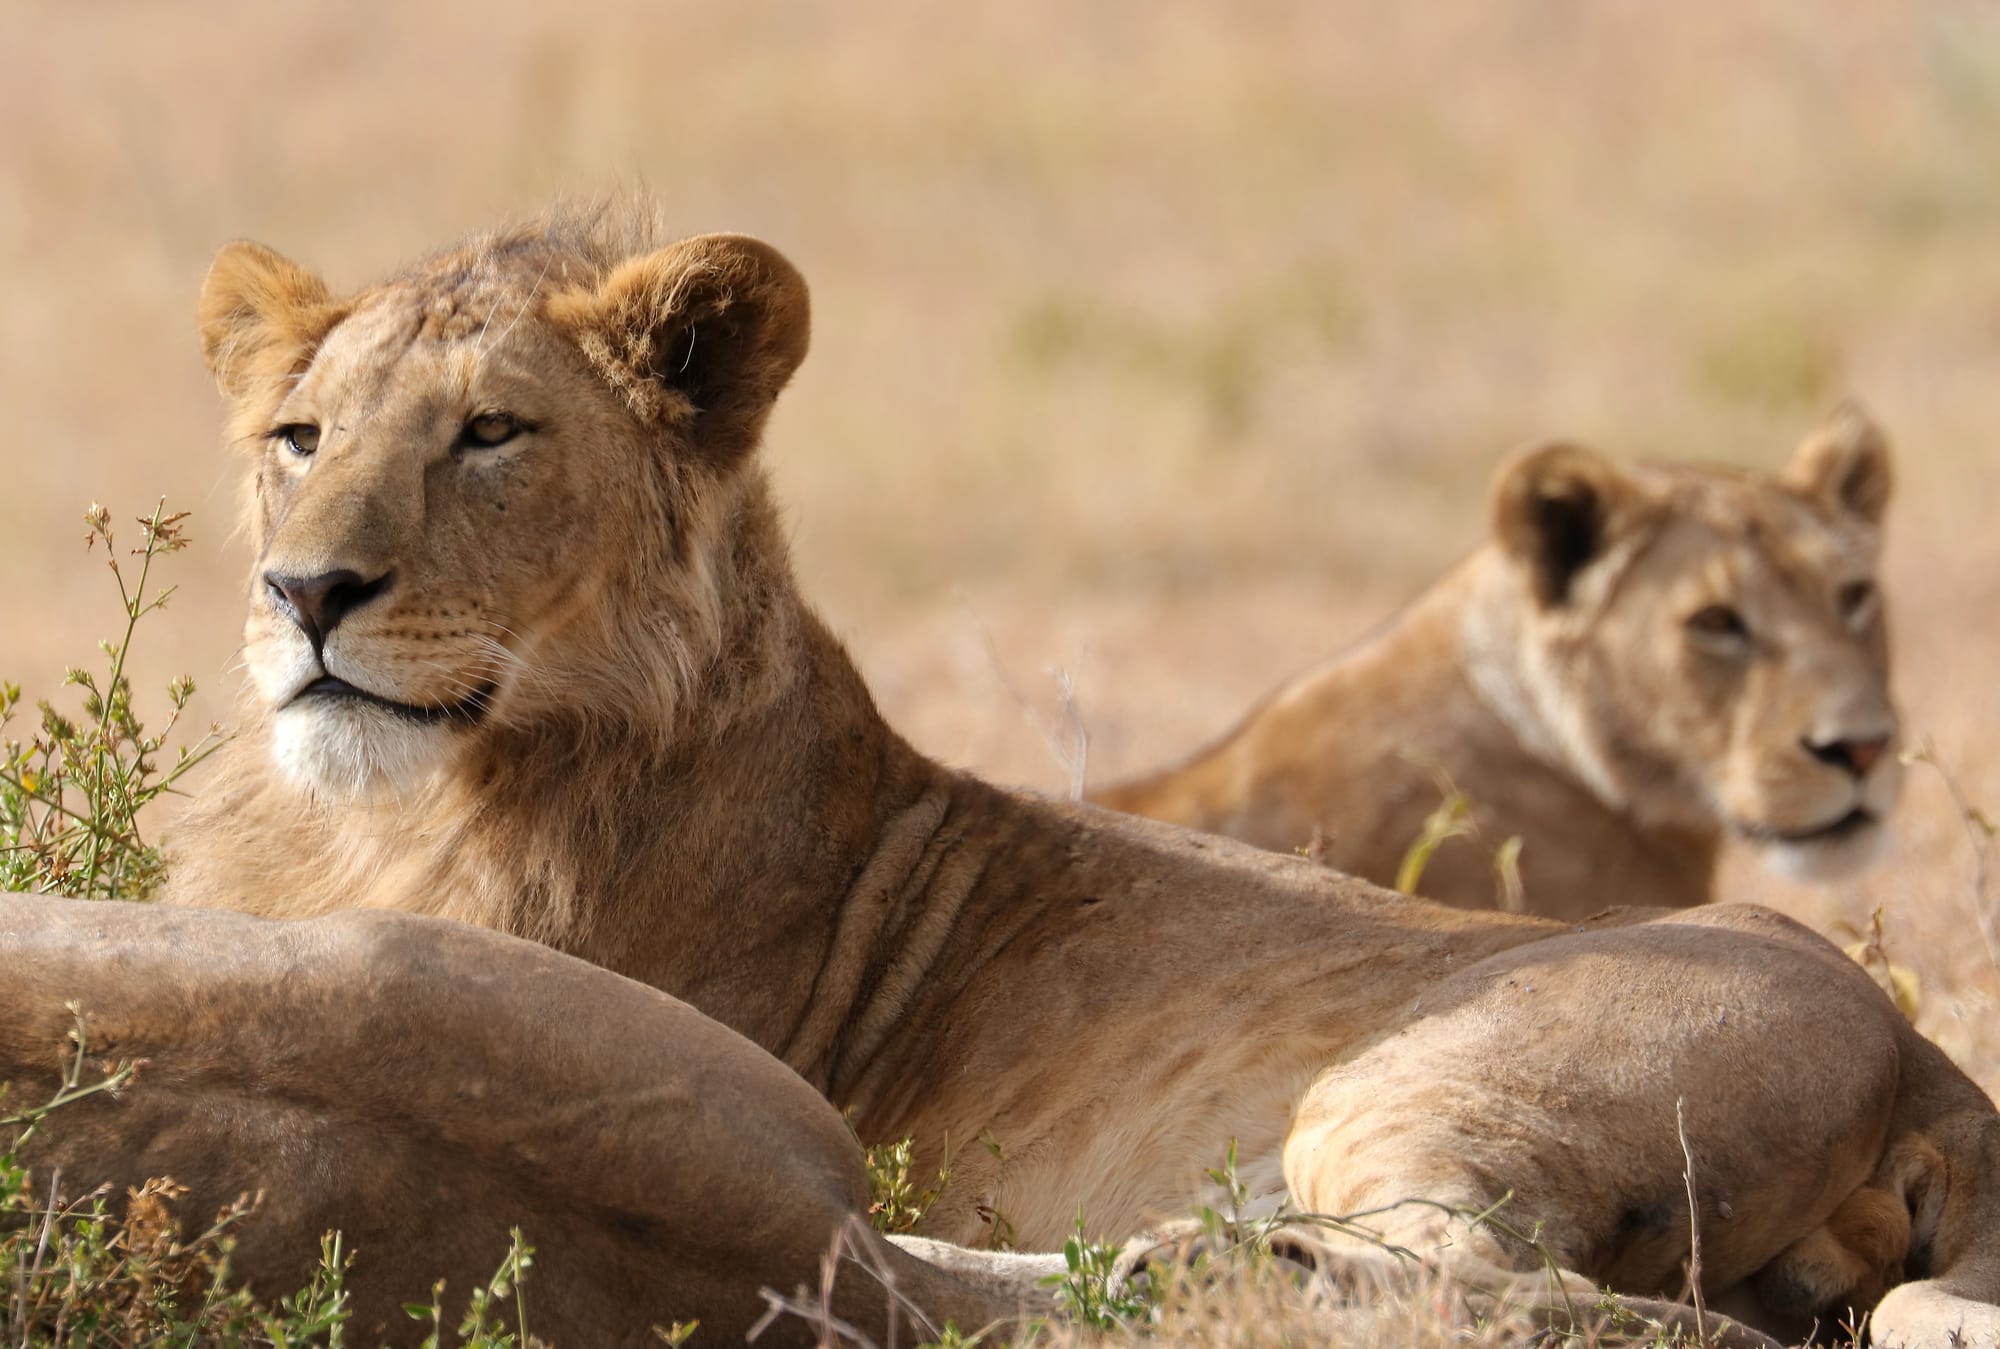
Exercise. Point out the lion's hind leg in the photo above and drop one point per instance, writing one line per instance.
(1546, 1110)
(1824, 1284)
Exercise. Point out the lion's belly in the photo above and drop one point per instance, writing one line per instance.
(1154, 1147)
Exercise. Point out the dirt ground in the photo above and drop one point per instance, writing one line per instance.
(1169, 345)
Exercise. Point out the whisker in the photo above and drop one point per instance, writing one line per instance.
(479, 351)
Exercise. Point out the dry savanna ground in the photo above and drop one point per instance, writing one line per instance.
(1166, 345)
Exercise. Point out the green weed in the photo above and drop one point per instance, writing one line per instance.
(895, 1204)
(1089, 1291)
(1452, 819)
(71, 794)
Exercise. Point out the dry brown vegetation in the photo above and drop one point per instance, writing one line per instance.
(1169, 344)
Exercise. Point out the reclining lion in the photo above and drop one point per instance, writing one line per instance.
(1636, 666)
(525, 651)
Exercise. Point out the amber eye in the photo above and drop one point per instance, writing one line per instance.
(489, 429)
(1718, 620)
(1853, 598)
(301, 438)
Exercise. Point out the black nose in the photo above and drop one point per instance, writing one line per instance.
(1856, 756)
(318, 603)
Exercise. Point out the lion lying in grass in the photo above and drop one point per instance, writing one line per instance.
(1636, 667)
(525, 651)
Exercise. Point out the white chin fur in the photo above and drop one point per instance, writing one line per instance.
(1824, 862)
(345, 751)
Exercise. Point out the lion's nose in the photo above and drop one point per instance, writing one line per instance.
(1856, 756)
(318, 603)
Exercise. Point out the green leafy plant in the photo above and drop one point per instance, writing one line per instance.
(482, 1326)
(1226, 1179)
(1089, 1290)
(895, 1204)
(72, 792)
(318, 1313)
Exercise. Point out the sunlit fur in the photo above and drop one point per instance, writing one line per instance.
(1583, 712)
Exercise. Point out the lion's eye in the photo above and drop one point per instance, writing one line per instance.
(1853, 598)
(301, 438)
(1718, 621)
(489, 429)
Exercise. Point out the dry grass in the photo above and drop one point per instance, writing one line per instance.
(1169, 343)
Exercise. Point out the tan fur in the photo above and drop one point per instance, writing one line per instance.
(679, 776)
(1555, 678)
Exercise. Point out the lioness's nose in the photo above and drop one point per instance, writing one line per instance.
(318, 603)
(1856, 756)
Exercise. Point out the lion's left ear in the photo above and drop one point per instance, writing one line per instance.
(1844, 464)
(700, 337)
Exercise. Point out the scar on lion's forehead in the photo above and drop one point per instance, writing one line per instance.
(451, 318)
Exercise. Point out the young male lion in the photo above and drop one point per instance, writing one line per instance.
(1637, 666)
(525, 650)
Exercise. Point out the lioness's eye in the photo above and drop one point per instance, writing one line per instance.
(1853, 597)
(1718, 620)
(489, 429)
(301, 438)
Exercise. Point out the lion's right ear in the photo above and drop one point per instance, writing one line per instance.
(699, 337)
(1556, 510)
(260, 316)
(1844, 464)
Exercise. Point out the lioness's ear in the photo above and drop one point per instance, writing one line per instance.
(260, 316)
(699, 337)
(1555, 510)
(1844, 464)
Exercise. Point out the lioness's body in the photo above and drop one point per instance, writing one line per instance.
(1579, 702)
(544, 669)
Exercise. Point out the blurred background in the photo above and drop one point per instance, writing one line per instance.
(1160, 348)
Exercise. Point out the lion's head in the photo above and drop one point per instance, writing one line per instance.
(1707, 647)
(491, 488)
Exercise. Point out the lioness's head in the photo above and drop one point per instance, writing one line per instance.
(491, 487)
(1708, 646)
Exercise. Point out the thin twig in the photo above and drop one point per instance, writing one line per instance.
(1067, 737)
(41, 1249)
(854, 1245)
(1694, 1230)
(1979, 832)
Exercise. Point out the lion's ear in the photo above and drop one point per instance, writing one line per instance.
(1844, 464)
(700, 337)
(1556, 510)
(260, 316)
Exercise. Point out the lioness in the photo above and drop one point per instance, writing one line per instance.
(1636, 666)
(525, 650)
